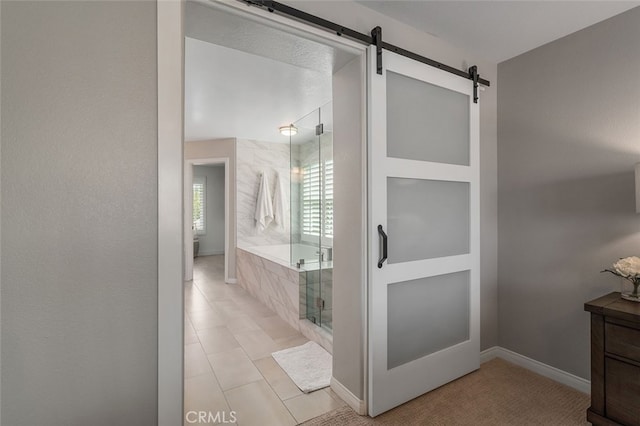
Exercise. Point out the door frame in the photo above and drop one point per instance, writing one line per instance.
(170, 58)
(188, 212)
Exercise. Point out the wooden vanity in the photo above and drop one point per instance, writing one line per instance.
(615, 361)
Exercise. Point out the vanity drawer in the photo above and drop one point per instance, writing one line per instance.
(622, 341)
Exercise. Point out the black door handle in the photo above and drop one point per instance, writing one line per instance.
(384, 246)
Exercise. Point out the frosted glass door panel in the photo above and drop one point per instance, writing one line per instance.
(426, 122)
(423, 317)
(426, 315)
(427, 219)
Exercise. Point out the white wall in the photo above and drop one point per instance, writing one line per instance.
(212, 241)
(219, 148)
(79, 213)
(253, 158)
(170, 187)
(569, 135)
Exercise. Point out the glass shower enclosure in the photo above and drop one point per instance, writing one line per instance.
(312, 213)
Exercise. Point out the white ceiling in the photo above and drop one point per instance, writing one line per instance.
(229, 93)
(203, 21)
(265, 77)
(499, 30)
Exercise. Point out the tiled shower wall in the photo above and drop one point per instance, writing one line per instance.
(253, 158)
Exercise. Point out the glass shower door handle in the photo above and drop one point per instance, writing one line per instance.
(383, 241)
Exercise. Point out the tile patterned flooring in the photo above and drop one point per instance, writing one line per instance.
(229, 338)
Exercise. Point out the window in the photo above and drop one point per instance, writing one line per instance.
(317, 186)
(199, 205)
(328, 199)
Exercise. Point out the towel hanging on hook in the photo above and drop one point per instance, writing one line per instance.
(279, 203)
(264, 207)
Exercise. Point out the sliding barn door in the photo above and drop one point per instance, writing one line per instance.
(424, 311)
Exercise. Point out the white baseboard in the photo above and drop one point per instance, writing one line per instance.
(358, 405)
(538, 367)
(489, 354)
(231, 281)
(210, 253)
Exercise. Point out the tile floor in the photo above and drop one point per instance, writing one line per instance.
(229, 338)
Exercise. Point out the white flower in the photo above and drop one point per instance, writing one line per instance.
(628, 267)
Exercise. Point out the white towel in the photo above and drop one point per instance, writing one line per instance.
(264, 208)
(279, 204)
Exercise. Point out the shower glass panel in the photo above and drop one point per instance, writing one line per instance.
(312, 212)
(305, 191)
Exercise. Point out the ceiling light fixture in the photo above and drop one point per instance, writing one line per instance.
(289, 130)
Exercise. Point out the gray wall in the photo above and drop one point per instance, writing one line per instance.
(349, 229)
(220, 148)
(79, 209)
(0, 215)
(212, 242)
(569, 135)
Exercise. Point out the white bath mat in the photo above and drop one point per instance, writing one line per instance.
(309, 366)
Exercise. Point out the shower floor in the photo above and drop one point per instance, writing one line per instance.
(229, 338)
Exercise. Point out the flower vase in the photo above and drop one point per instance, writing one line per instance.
(630, 291)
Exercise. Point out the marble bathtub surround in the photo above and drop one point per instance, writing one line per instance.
(278, 287)
(274, 285)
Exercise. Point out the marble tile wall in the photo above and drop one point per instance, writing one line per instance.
(273, 284)
(252, 158)
(278, 287)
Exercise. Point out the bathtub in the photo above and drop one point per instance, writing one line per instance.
(268, 275)
(281, 253)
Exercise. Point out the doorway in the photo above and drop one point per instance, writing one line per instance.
(357, 392)
(207, 211)
(240, 91)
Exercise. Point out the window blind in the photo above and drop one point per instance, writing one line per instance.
(198, 205)
(317, 186)
(328, 199)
